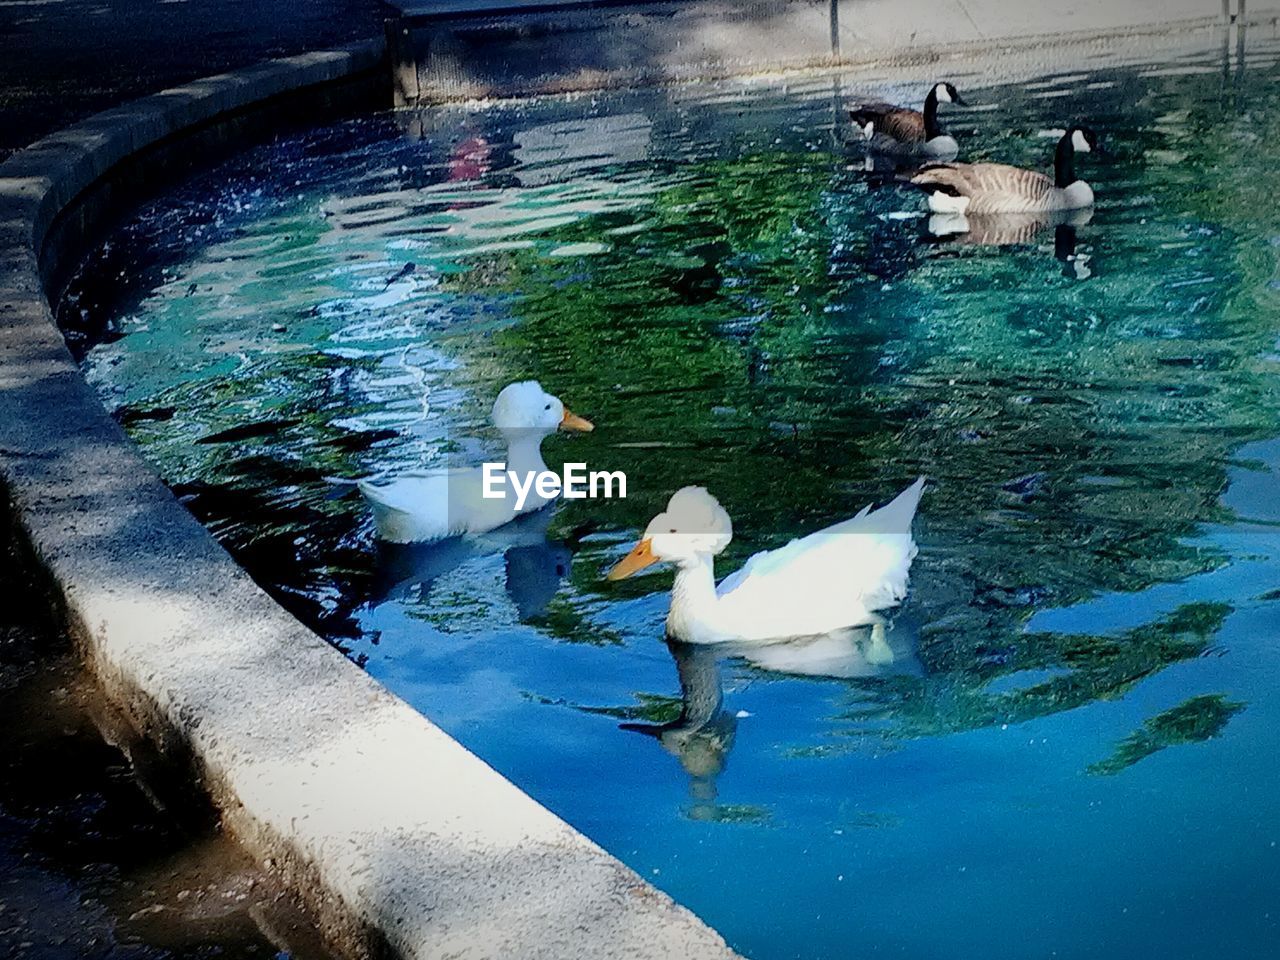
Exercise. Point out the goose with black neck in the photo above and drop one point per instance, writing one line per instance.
(903, 132)
(984, 188)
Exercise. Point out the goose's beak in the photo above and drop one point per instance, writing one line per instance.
(571, 421)
(641, 556)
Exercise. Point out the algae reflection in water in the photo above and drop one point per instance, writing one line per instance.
(1065, 738)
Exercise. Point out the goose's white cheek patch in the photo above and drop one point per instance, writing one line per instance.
(1080, 143)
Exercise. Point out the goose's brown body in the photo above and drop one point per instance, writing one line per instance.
(901, 124)
(982, 188)
(974, 189)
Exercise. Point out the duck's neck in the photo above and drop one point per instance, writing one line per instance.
(1064, 163)
(931, 126)
(524, 454)
(694, 605)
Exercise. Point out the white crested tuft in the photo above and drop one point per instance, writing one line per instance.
(520, 406)
(695, 514)
(694, 510)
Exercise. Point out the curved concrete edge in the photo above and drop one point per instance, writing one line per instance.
(400, 841)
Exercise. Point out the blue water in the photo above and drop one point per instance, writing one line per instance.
(1071, 754)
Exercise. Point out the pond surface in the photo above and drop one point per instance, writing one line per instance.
(1071, 749)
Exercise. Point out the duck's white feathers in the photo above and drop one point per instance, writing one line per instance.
(418, 507)
(828, 580)
(433, 505)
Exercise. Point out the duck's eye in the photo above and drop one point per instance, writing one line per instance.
(673, 530)
(547, 407)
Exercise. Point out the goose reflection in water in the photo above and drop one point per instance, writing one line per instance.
(703, 735)
(1009, 229)
(535, 565)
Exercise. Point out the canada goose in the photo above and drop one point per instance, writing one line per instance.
(900, 130)
(981, 188)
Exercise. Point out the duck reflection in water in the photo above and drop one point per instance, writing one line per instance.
(535, 565)
(1009, 229)
(703, 735)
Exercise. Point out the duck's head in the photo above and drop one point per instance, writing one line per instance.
(946, 92)
(693, 527)
(525, 409)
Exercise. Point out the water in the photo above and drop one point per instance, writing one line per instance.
(104, 856)
(1071, 751)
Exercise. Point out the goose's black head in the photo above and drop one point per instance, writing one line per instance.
(1077, 139)
(943, 92)
(946, 92)
(1082, 139)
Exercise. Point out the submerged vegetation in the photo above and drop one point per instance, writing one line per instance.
(1194, 721)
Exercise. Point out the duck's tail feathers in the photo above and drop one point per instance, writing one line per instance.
(391, 523)
(897, 515)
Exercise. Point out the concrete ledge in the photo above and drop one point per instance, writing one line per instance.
(871, 29)
(399, 841)
(481, 48)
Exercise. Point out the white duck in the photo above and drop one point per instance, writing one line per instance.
(419, 507)
(819, 584)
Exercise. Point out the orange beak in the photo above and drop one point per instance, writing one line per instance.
(641, 556)
(571, 421)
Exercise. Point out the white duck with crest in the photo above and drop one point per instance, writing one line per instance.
(815, 585)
